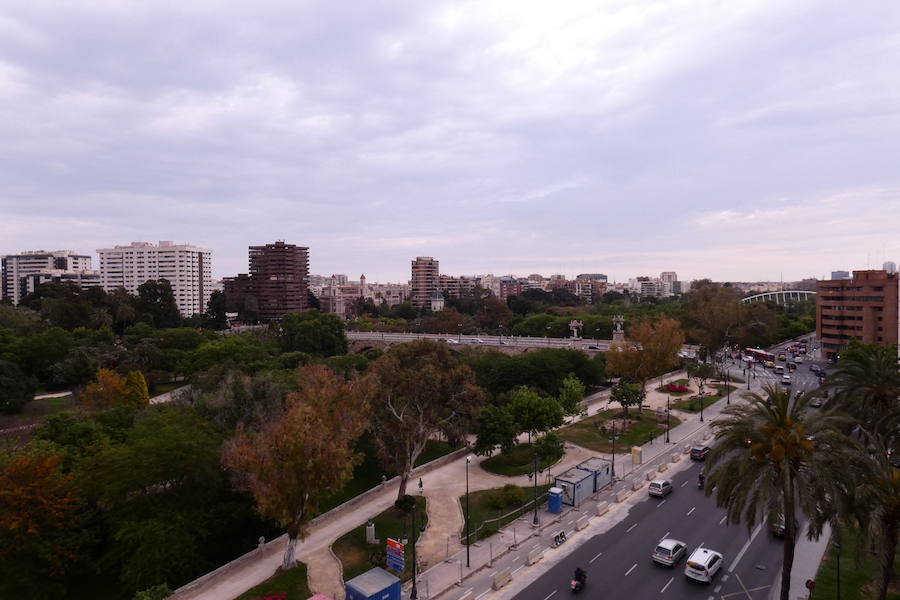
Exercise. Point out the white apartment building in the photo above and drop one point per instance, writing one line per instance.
(187, 268)
(16, 268)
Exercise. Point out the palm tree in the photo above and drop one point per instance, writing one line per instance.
(772, 458)
(878, 504)
(866, 383)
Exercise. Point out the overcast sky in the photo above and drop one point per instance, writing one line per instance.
(737, 140)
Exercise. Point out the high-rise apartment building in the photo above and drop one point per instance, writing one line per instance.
(187, 268)
(424, 281)
(889, 266)
(838, 275)
(863, 308)
(668, 277)
(278, 282)
(16, 271)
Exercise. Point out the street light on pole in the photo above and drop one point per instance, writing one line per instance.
(614, 449)
(535, 521)
(460, 331)
(468, 460)
(414, 593)
(701, 403)
(668, 411)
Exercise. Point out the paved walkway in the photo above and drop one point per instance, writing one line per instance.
(442, 487)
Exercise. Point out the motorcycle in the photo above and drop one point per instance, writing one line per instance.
(578, 582)
(700, 481)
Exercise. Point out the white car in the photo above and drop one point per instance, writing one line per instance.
(785, 380)
(477, 341)
(703, 564)
(451, 341)
(668, 552)
(660, 488)
(798, 360)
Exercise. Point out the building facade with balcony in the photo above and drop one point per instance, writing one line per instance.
(277, 284)
(187, 268)
(864, 308)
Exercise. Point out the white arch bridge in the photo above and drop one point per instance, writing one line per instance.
(782, 297)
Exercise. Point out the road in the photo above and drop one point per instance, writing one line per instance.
(618, 561)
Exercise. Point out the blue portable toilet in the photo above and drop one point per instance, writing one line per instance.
(554, 500)
(374, 584)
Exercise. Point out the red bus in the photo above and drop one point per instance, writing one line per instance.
(759, 355)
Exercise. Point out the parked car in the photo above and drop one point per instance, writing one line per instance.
(779, 369)
(660, 488)
(700, 452)
(668, 552)
(703, 564)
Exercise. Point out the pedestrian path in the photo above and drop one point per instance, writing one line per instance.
(439, 548)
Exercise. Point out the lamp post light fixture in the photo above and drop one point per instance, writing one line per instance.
(535, 521)
(468, 460)
(668, 411)
(414, 593)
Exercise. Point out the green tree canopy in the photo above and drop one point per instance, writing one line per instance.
(534, 413)
(321, 334)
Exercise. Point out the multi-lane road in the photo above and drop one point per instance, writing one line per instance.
(618, 561)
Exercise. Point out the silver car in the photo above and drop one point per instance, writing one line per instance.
(668, 552)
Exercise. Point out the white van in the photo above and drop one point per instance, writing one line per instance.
(779, 369)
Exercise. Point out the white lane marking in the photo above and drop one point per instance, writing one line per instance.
(517, 570)
(482, 595)
(628, 572)
(630, 528)
(717, 588)
(723, 519)
(740, 555)
(660, 504)
(684, 484)
(665, 536)
(550, 595)
(671, 579)
(599, 554)
(692, 510)
(468, 590)
(492, 574)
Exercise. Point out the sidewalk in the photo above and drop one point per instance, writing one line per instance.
(807, 558)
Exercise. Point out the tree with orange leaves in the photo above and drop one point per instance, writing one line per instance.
(38, 507)
(111, 390)
(295, 461)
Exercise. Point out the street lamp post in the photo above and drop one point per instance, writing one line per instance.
(459, 325)
(727, 389)
(668, 411)
(535, 521)
(614, 449)
(414, 593)
(468, 460)
(837, 591)
(701, 403)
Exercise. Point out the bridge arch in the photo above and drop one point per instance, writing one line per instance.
(781, 297)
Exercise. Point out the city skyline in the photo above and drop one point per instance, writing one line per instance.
(499, 138)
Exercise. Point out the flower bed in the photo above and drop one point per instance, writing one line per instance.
(675, 388)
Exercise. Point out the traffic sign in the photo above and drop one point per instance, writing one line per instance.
(396, 564)
(395, 552)
(394, 544)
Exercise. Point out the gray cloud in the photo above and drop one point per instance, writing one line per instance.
(735, 140)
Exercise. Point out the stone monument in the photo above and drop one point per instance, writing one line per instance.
(618, 332)
(576, 325)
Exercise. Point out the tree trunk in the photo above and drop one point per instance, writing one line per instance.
(404, 478)
(790, 538)
(289, 559)
(886, 558)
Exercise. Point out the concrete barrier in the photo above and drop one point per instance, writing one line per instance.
(675, 457)
(602, 508)
(650, 476)
(535, 556)
(663, 468)
(501, 578)
(686, 449)
(582, 523)
(637, 484)
(622, 495)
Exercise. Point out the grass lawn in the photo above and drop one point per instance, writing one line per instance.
(368, 473)
(676, 382)
(34, 410)
(693, 405)
(291, 582)
(357, 557)
(493, 503)
(518, 461)
(586, 433)
(856, 579)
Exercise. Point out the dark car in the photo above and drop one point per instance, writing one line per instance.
(814, 368)
(699, 452)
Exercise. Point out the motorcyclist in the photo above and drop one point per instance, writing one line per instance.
(701, 479)
(580, 575)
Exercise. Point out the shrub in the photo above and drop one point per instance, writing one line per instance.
(513, 495)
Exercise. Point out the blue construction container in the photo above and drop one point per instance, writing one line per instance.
(375, 584)
(554, 500)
